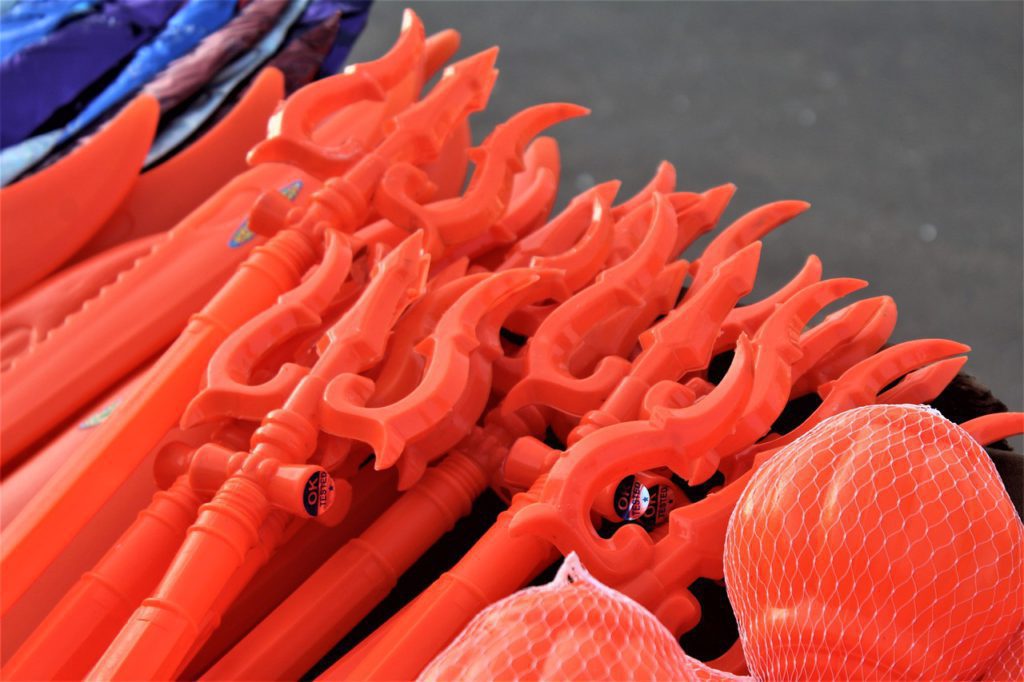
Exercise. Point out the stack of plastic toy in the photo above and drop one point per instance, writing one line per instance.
(211, 72)
(225, 445)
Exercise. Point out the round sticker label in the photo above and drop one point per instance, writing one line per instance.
(631, 499)
(318, 493)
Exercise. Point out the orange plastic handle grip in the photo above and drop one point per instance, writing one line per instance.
(295, 561)
(161, 632)
(357, 577)
(496, 566)
(41, 532)
(74, 635)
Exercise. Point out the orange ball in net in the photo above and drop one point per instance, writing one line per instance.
(881, 545)
(573, 628)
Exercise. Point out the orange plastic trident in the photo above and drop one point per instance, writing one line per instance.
(692, 546)
(407, 643)
(272, 474)
(122, 325)
(40, 532)
(257, 400)
(365, 570)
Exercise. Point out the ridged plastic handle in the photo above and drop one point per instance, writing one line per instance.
(496, 566)
(161, 633)
(75, 633)
(353, 581)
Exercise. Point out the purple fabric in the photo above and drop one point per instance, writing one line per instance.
(189, 74)
(353, 20)
(300, 60)
(50, 74)
(354, 14)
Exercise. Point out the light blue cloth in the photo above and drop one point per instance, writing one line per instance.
(222, 85)
(189, 25)
(26, 23)
(17, 159)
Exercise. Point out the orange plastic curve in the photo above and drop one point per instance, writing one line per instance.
(39, 534)
(26, 321)
(48, 216)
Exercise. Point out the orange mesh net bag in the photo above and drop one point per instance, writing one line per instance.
(1008, 663)
(881, 545)
(573, 628)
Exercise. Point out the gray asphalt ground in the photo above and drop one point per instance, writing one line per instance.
(900, 122)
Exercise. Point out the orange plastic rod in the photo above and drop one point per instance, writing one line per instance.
(358, 576)
(293, 564)
(444, 609)
(76, 632)
(50, 215)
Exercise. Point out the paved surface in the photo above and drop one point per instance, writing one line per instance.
(900, 122)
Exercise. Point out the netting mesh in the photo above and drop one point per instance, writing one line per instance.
(881, 545)
(1008, 665)
(573, 628)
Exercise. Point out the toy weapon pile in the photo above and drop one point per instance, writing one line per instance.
(380, 342)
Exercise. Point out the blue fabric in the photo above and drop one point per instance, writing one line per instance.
(26, 23)
(226, 80)
(18, 158)
(194, 21)
(52, 73)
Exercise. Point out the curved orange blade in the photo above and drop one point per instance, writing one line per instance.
(50, 215)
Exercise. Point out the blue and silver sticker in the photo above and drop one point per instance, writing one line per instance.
(243, 234)
(631, 499)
